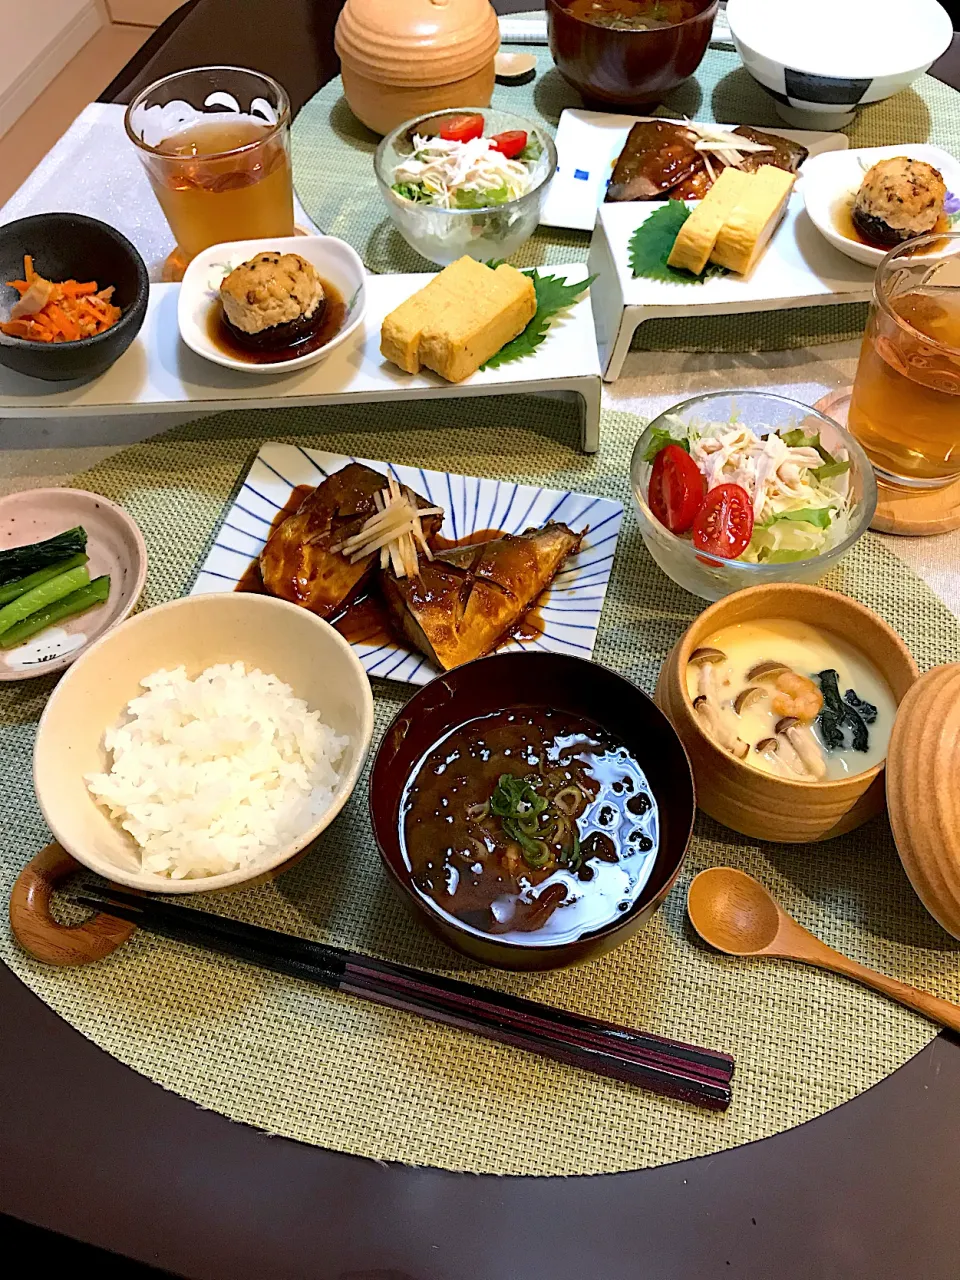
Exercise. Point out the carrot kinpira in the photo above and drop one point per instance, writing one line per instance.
(51, 311)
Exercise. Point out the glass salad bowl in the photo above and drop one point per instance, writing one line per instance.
(489, 229)
(784, 547)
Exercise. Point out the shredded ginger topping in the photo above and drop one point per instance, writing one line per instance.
(395, 531)
(443, 169)
(723, 144)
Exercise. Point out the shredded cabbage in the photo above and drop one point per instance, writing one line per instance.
(460, 175)
(800, 491)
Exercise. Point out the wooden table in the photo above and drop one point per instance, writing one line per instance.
(92, 1150)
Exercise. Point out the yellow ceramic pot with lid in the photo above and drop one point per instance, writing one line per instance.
(405, 58)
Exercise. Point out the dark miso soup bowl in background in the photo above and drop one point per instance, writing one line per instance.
(616, 68)
(566, 684)
(69, 246)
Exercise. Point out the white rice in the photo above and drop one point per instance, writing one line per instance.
(213, 774)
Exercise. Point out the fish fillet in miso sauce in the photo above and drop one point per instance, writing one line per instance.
(791, 699)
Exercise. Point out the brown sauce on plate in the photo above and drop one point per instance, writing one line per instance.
(330, 324)
(844, 223)
(366, 619)
(593, 846)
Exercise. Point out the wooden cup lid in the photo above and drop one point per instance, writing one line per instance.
(923, 792)
(417, 42)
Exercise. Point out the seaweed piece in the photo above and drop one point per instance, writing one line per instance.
(836, 714)
(829, 682)
(865, 710)
(831, 730)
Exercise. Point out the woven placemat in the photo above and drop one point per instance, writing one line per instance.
(326, 1069)
(333, 168)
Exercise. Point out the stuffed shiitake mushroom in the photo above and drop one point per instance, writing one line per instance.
(274, 301)
(898, 199)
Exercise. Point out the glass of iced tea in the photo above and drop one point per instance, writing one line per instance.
(215, 142)
(905, 409)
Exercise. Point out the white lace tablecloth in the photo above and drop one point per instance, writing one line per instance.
(93, 169)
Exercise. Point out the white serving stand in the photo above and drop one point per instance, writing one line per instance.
(799, 269)
(159, 373)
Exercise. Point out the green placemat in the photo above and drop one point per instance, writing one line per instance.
(333, 170)
(326, 1069)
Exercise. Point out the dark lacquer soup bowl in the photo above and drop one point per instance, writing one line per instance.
(618, 807)
(634, 62)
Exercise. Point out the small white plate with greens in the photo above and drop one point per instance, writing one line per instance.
(72, 565)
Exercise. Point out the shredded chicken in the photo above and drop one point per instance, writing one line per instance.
(444, 168)
(768, 469)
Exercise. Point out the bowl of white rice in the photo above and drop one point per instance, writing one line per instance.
(204, 743)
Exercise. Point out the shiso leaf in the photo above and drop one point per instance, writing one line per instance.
(652, 241)
(553, 295)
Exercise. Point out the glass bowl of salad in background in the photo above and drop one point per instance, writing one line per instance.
(456, 193)
(739, 488)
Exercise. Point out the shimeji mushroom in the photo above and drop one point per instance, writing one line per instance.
(768, 670)
(707, 702)
(752, 693)
(804, 744)
(712, 717)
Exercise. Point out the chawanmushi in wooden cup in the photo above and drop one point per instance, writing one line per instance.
(781, 782)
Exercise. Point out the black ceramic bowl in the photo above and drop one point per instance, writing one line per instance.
(68, 246)
(535, 680)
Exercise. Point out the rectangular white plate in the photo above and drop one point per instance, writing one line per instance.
(570, 609)
(588, 144)
(159, 372)
(797, 263)
(799, 268)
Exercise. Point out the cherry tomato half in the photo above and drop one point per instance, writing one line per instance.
(676, 488)
(724, 524)
(509, 144)
(462, 128)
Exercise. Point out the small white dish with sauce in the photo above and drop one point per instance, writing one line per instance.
(831, 182)
(199, 308)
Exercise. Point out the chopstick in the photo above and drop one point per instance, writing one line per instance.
(663, 1066)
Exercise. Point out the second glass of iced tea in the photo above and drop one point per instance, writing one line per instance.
(215, 142)
(905, 409)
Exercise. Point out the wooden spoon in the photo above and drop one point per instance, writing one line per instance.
(735, 913)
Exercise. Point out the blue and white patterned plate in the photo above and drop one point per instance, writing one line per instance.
(570, 609)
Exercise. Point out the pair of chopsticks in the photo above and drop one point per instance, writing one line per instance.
(663, 1066)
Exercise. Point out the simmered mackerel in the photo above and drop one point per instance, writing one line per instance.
(468, 598)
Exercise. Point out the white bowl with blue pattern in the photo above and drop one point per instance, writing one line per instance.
(568, 612)
(822, 59)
